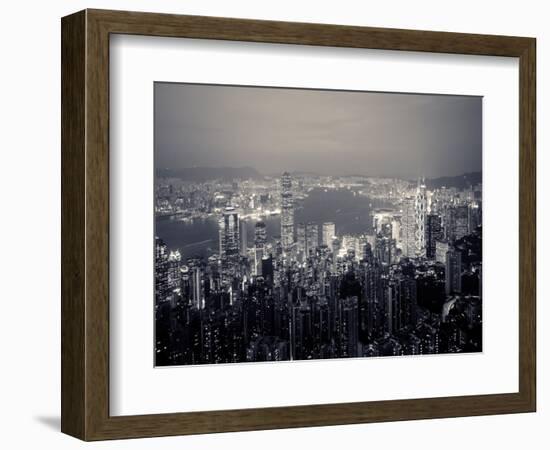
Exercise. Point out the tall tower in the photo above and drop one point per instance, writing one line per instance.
(312, 238)
(260, 238)
(287, 213)
(329, 233)
(301, 239)
(408, 227)
(461, 221)
(434, 233)
(161, 271)
(453, 272)
(420, 207)
(197, 296)
(229, 238)
(243, 237)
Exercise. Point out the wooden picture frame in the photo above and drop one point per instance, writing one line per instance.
(85, 224)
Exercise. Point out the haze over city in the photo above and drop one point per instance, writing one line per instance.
(318, 131)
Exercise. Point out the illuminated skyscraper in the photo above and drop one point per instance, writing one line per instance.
(408, 227)
(420, 211)
(312, 238)
(363, 250)
(385, 249)
(197, 289)
(474, 216)
(260, 238)
(161, 271)
(329, 233)
(287, 213)
(229, 239)
(461, 222)
(243, 237)
(396, 231)
(434, 233)
(301, 239)
(441, 249)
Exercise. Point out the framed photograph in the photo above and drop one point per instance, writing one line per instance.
(272, 225)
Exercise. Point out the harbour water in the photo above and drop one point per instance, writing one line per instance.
(350, 212)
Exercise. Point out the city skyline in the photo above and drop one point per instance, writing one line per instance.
(309, 263)
(384, 134)
(408, 284)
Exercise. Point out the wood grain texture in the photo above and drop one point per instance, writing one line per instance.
(527, 224)
(85, 224)
(73, 226)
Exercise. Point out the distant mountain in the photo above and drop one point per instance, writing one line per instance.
(460, 181)
(209, 173)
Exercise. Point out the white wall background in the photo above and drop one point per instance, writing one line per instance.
(30, 221)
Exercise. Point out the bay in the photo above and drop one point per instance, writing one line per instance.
(350, 211)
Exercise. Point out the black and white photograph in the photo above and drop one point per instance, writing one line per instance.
(304, 224)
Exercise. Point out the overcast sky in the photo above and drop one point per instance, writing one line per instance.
(328, 132)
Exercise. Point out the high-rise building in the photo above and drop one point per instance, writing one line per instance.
(396, 231)
(312, 238)
(408, 301)
(453, 272)
(260, 238)
(474, 216)
(301, 238)
(161, 271)
(197, 289)
(408, 227)
(456, 222)
(441, 249)
(434, 233)
(287, 213)
(420, 206)
(350, 327)
(392, 308)
(461, 222)
(329, 233)
(174, 264)
(267, 268)
(385, 249)
(229, 239)
(371, 297)
(363, 250)
(243, 234)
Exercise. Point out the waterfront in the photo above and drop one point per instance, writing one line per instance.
(350, 212)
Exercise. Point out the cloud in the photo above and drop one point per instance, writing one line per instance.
(335, 132)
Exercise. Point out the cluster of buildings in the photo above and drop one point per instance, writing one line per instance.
(409, 285)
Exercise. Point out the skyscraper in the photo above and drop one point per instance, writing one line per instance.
(301, 238)
(312, 238)
(363, 250)
(434, 233)
(161, 271)
(243, 234)
(408, 227)
(260, 238)
(461, 223)
(474, 216)
(396, 231)
(453, 272)
(287, 213)
(197, 289)
(229, 239)
(441, 249)
(420, 210)
(329, 233)
(384, 249)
